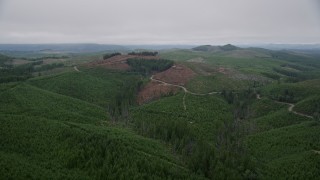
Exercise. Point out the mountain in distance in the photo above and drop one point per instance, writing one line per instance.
(70, 48)
(208, 48)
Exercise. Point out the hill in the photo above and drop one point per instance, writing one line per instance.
(210, 48)
(71, 48)
(47, 135)
(237, 113)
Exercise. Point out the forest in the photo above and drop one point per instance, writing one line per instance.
(146, 66)
(107, 56)
(144, 53)
(231, 119)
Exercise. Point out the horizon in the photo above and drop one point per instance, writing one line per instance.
(145, 22)
(150, 44)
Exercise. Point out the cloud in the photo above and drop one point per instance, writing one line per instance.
(160, 21)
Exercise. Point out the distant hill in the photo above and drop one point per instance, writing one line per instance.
(230, 50)
(72, 48)
(229, 47)
(208, 48)
(83, 48)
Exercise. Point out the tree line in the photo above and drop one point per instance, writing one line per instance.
(119, 105)
(144, 53)
(107, 56)
(146, 66)
(11, 73)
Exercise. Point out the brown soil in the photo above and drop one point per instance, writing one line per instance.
(117, 62)
(153, 91)
(224, 70)
(177, 74)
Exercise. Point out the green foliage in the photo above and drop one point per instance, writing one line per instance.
(195, 133)
(207, 48)
(281, 138)
(107, 56)
(47, 135)
(44, 57)
(38, 148)
(265, 107)
(5, 60)
(310, 106)
(277, 143)
(278, 119)
(206, 84)
(292, 92)
(18, 73)
(146, 66)
(144, 53)
(303, 165)
(97, 86)
(292, 74)
(58, 127)
(271, 75)
(294, 58)
(48, 67)
(31, 101)
(118, 108)
(203, 48)
(228, 47)
(10, 73)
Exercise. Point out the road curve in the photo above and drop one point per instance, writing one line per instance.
(290, 108)
(184, 89)
(76, 69)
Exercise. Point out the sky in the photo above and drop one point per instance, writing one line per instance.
(160, 21)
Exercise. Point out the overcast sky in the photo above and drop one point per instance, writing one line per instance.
(160, 21)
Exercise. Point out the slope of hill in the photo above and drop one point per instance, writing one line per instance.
(85, 124)
(47, 135)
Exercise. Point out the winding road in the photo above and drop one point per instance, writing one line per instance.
(290, 109)
(184, 89)
(76, 69)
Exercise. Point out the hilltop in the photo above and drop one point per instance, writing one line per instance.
(221, 112)
(209, 48)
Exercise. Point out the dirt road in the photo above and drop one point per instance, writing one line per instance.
(290, 108)
(184, 89)
(76, 69)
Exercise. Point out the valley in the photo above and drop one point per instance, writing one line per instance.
(208, 112)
